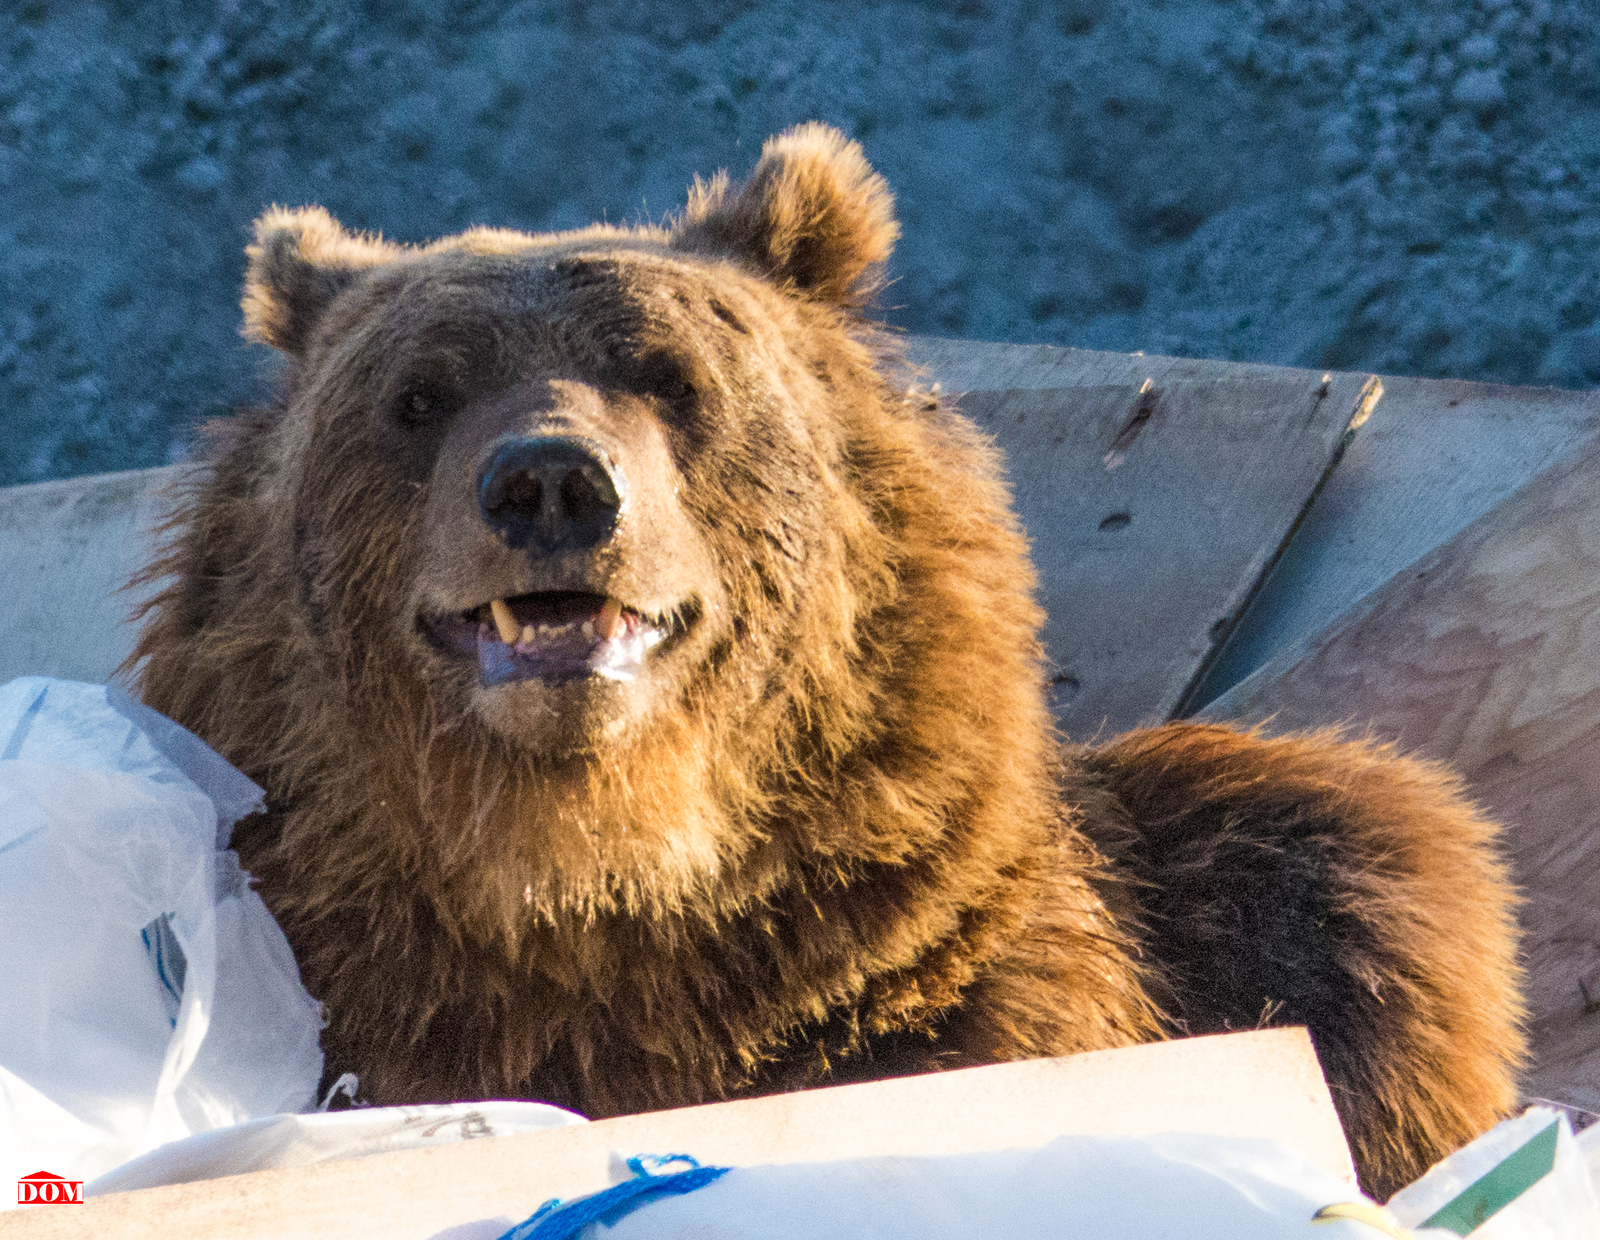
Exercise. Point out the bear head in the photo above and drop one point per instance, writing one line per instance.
(616, 569)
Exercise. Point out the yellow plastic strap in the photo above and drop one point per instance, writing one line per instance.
(1362, 1212)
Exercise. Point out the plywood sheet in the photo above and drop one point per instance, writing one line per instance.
(1265, 1084)
(981, 365)
(1436, 455)
(1157, 492)
(1486, 653)
(66, 549)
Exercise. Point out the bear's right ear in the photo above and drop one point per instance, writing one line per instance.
(301, 261)
(813, 216)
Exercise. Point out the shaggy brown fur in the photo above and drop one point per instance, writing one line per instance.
(1372, 903)
(825, 833)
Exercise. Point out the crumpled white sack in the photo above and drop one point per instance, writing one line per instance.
(1197, 1186)
(1588, 1143)
(114, 824)
(1563, 1205)
(328, 1136)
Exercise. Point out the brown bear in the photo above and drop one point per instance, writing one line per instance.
(647, 689)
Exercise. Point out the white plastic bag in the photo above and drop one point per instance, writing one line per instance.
(328, 1136)
(1195, 1186)
(147, 992)
(1524, 1179)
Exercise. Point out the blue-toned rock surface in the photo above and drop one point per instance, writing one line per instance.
(1407, 186)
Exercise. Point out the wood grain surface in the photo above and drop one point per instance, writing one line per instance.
(66, 550)
(1436, 455)
(1486, 653)
(1157, 492)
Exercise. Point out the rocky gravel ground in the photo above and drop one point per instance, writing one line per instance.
(1407, 186)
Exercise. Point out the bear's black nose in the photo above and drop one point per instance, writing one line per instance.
(549, 493)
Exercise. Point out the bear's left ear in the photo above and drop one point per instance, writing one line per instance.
(813, 215)
(301, 261)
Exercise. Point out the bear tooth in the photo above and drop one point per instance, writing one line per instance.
(605, 623)
(528, 635)
(505, 624)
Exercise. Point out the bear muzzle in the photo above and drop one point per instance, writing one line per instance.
(551, 564)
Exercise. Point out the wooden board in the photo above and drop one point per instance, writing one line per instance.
(66, 549)
(1264, 1084)
(1436, 455)
(981, 365)
(1486, 653)
(1157, 492)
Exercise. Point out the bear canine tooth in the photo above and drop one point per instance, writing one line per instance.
(605, 623)
(504, 622)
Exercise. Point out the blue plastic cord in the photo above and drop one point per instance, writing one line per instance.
(558, 1220)
(161, 942)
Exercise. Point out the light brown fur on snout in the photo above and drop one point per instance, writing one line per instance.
(826, 833)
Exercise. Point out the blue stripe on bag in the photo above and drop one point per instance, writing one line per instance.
(558, 1220)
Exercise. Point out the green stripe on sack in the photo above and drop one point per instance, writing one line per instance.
(1502, 1185)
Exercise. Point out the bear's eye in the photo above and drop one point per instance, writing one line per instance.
(421, 402)
(664, 377)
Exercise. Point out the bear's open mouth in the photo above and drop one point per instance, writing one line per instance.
(553, 636)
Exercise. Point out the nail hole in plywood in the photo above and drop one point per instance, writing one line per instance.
(1063, 688)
